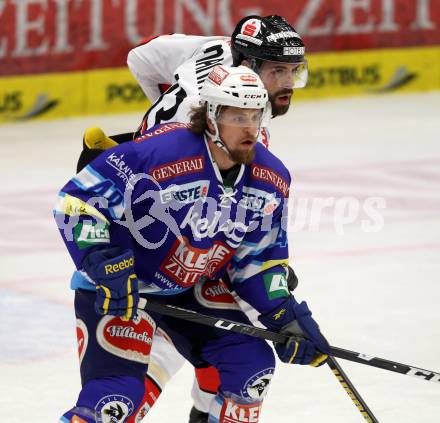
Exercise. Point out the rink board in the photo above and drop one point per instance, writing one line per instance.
(367, 72)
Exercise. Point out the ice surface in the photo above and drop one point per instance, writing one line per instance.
(375, 292)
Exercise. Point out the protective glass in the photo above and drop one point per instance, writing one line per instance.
(244, 118)
(284, 75)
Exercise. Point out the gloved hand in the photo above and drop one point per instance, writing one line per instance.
(116, 283)
(296, 319)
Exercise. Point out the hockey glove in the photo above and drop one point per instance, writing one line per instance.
(296, 319)
(116, 283)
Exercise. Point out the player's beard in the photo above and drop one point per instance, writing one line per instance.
(279, 109)
(243, 157)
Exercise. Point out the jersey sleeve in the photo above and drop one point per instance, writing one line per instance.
(154, 63)
(92, 201)
(187, 76)
(258, 269)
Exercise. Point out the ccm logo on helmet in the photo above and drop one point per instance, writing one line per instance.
(248, 78)
(293, 51)
(124, 264)
(254, 96)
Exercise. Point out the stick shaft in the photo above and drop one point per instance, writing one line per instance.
(225, 324)
(351, 391)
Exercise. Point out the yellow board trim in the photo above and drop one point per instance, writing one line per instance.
(104, 91)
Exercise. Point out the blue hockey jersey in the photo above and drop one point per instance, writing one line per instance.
(163, 196)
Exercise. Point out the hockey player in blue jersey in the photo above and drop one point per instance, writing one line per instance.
(272, 48)
(158, 217)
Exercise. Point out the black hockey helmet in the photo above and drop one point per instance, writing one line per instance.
(269, 38)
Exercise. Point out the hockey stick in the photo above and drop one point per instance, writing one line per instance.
(225, 324)
(260, 333)
(351, 391)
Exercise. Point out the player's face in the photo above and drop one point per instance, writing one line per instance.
(238, 129)
(279, 80)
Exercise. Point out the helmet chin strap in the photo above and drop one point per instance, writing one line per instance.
(216, 137)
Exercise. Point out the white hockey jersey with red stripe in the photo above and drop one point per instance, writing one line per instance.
(171, 70)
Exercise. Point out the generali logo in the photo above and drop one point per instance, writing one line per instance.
(268, 175)
(178, 168)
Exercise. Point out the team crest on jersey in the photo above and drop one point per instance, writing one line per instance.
(131, 340)
(256, 386)
(113, 409)
(215, 294)
(82, 336)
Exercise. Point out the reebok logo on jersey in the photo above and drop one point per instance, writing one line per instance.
(268, 175)
(276, 285)
(178, 168)
(117, 267)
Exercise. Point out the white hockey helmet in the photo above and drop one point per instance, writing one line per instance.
(230, 86)
(233, 86)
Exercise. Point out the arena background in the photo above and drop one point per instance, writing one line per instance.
(62, 58)
(372, 290)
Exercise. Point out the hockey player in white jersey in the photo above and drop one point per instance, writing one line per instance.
(171, 70)
(268, 45)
